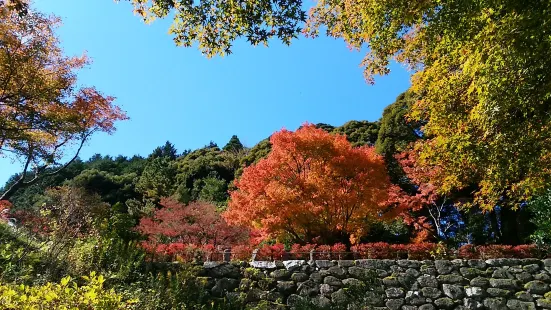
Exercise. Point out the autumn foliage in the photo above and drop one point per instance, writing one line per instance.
(313, 186)
(197, 224)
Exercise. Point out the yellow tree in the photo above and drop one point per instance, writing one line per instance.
(43, 115)
(313, 186)
(483, 70)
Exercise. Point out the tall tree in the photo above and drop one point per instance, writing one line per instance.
(43, 114)
(483, 69)
(312, 185)
(167, 150)
(234, 145)
(158, 179)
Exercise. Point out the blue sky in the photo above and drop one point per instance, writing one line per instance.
(174, 93)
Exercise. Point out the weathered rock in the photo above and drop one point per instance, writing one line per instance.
(451, 279)
(469, 272)
(263, 265)
(426, 307)
(333, 281)
(326, 289)
(324, 263)
(453, 291)
(223, 271)
(337, 271)
(444, 266)
(425, 281)
(498, 292)
(395, 292)
(477, 263)
(428, 270)
(405, 279)
(376, 263)
(474, 292)
(293, 265)
(381, 273)
(542, 276)
(299, 277)
(321, 302)
(351, 282)
(413, 272)
(308, 288)
(502, 273)
(415, 298)
(408, 263)
(431, 292)
(504, 283)
(471, 304)
(395, 304)
(444, 303)
(523, 276)
(393, 281)
(280, 274)
(286, 287)
(479, 281)
(544, 303)
(537, 287)
(497, 303)
(346, 263)
(316, 277)
(524, 296)
(359, 272)
(514, 304)
(532, 268)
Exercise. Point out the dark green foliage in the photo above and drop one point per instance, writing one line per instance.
(253, 155)
(27, 197)
(167, 150)
(158, 179)
(326, 127)
(540, 208)
(207, 167)
(359, 132)
(234, 145)
(396, 132)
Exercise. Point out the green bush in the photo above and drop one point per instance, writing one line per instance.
(541, 217)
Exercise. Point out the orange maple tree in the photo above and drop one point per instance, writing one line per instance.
(312, 187)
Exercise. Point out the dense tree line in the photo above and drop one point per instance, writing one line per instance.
(137, 184)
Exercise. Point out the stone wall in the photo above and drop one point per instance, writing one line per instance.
(393, 284)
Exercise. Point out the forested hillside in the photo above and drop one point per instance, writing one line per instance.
(458, 167)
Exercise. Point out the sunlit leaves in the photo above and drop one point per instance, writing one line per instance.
(215, 24)
(312, 186)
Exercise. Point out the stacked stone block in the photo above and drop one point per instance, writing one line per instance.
(400, 284)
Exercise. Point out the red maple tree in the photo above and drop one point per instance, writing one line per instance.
(197, 223)
(312, 187)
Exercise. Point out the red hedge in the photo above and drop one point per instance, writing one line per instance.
(378, 250)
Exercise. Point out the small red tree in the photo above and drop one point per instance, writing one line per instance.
(197, 223)
(312, 185)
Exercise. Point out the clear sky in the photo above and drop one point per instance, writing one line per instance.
(174, 93)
